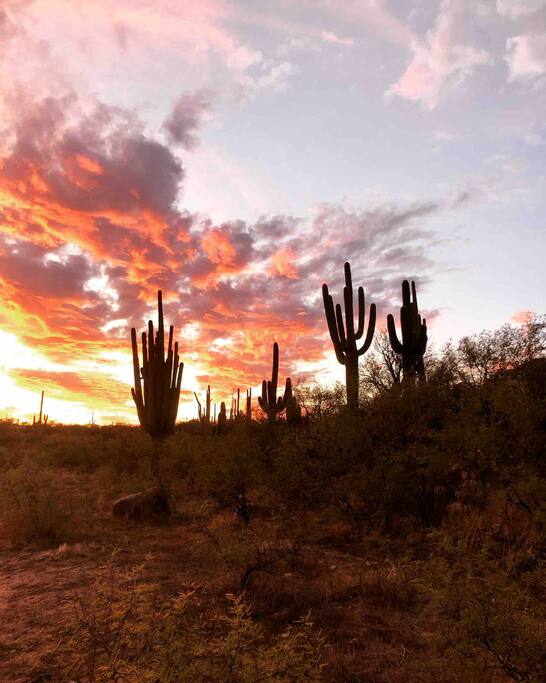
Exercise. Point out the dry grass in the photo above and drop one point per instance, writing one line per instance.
(301, 593)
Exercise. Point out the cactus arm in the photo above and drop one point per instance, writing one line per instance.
(332, 324)
(161, 326)
(262, 400)
(348, 301)
(406, 298)
(198, 405)
(283, 400)
(137, 391)
(275, 373)
(393, 337)
(340, 326)
(370, 332)
(361, 313)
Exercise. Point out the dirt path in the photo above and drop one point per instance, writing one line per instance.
(38, 587)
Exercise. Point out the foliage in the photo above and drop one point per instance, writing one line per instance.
(121, 630)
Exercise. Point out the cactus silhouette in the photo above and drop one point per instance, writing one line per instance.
(42, 419)
(157, 383)
(204, 415)
(269, 403)
(414, 335)
(293, 411)
(222, 417)
(248, 411)
(343, 334)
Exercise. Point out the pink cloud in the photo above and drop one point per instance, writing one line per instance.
(330, 37)
(440, 60)
(526, 56)
(522, 316)
(514, 9)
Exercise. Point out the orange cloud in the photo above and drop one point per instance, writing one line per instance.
(282, 263)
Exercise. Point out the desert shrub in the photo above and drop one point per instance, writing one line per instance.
(33, 507)
(498, 628)
(85, 449)
(226, 468)
(120, 629)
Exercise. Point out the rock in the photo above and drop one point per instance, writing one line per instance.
(150, 504)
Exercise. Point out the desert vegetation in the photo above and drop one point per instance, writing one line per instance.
(389, 530)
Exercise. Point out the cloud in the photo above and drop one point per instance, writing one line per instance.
(526, 56)
(440, 61)
(91, 225)
(515, 9)
(270, 75)
(186, 116)
(330, 37)
(522, 316)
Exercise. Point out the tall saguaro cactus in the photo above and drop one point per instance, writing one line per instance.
(343, 334)
(414, 335)
(157, 382)
(269, 403)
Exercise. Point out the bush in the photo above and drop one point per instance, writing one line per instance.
(32, 506)
(121, 630)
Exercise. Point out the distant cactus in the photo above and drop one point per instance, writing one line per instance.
(42, 419)
(414, 335)
(249, 404)
(343, 335)
(293, 411)
(204, 415)
(222, 417)
(269, 403)
(157, 383)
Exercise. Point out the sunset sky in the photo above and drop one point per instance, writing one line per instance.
(235, 154)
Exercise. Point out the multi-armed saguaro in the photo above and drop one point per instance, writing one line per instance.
(344, 337)
(414, 335)
(157, 383)
(269, 403)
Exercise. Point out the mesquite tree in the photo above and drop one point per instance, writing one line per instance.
(269, 403)
(343, 334)
(414, 335)
(157, 382)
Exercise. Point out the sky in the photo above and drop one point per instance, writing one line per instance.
(235, 154)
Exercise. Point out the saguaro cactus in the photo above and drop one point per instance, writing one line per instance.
(222, 417)
(414, 335)
(249, 404)
(343, 335)
(293, 411)
(42, 419)
(269, 403)
(204, 415)
(157, 383)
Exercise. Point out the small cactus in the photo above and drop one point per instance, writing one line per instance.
(269, 403)
(414, 335)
